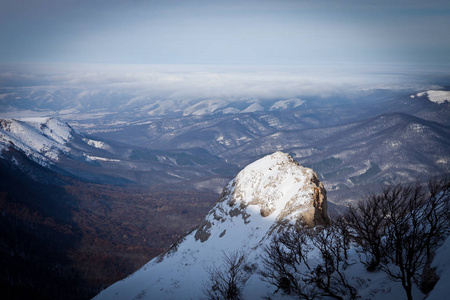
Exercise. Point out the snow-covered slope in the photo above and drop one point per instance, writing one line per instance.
(206, 107)
(287, 104)
(41, 139)
(442, 264)
(267, 194)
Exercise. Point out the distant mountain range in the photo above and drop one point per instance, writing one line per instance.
(55, 145)
(353, 144)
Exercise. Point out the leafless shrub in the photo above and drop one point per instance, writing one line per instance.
(289, 267)
(283, 261)
(228, 280)
(328, 276)
(366, 222)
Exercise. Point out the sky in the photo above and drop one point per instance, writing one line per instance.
(225, 32)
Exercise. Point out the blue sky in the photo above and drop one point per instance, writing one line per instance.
(224, 32)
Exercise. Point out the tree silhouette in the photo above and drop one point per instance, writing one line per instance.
(289, 267)
(407, 224)
(228, 281)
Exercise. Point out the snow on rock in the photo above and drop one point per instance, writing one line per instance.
(269, 193)
(42, 139)
(96, 144)
(436, 96)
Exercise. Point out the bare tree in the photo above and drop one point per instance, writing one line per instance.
(229, 280)
(366, 223)
(328, 276)
(407, 224)
(288, 265)
(437, 212)
(341, 227)
(285, 257)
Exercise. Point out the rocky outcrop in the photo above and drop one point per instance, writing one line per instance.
(276, 186)
(320, 203)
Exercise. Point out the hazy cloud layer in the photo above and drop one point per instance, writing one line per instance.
(221, 82)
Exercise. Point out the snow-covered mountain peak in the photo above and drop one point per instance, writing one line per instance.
(274, 189)
(40, 138)
(272, 192)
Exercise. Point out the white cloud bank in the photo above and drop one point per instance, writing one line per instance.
(186, 82)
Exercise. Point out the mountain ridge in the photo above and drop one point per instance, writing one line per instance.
(267, 195)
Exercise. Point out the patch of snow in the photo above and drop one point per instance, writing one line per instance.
(221, 139)
(436, 96)
(102, 158)
(243, 138)
(96, 144)
(417, 127)
(175, 175)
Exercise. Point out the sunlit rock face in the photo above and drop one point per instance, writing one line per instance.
(264, 197)
(278, 188)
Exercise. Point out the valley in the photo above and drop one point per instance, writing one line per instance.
(65, 238)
